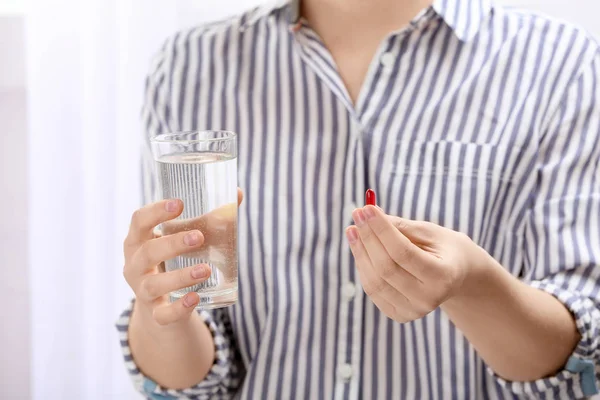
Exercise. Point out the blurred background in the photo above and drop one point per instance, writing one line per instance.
(71, 85)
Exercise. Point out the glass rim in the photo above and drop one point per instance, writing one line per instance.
(171, 137)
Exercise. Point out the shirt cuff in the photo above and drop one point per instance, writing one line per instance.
(220, 378)
(581, 375)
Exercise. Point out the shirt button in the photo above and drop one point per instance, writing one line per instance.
(349, 291)
(387, 60)
(345, 371)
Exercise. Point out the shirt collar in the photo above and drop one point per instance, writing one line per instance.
(464, 17)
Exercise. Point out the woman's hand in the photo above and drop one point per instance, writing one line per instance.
(145, 251)
(410, 268)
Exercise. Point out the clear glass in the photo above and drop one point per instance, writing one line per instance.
(200, 168)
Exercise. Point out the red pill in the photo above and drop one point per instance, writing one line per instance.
(370, 198)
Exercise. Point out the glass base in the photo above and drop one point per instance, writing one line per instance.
(212, 300)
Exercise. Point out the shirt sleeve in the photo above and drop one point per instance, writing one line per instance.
(223, 378)
(226, 374)
(562, 232)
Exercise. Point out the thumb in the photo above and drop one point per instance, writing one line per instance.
(418, 232)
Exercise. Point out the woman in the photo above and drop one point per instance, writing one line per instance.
(478, 127)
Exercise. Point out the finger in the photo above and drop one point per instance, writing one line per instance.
(400, 249)
(240, 196)
(157, 285)
(219, 219)
(418, 232)
(361, 257)
(172, 312)
(378, 290)
(144, 220)
(383, 264)
(165, 248)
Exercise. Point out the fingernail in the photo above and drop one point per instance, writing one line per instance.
(191, 239)
(369, 212)
(352, 236)
(189, 300)
(171, 206)
(359, 217)
(200, 271)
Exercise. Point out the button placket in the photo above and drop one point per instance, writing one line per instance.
(349, 291)
(347, 369)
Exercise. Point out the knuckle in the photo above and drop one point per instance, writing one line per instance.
(130, 276)
(146, 253)
(464, 237)
(136, 217)
(365, 234)
(401, 224)
(421, 226)
(429, 228)
(174, 244)
(184, 277)
(150, 288)
(159, 318)
(129, 247)
(126, 244)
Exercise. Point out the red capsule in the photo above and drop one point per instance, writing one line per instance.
(370, 198)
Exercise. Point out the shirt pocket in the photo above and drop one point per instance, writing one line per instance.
(478, 189)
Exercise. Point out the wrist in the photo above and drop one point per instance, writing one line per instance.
(186, 347)
(142, 321)
(482, 281)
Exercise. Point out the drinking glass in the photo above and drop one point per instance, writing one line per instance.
(200, 168)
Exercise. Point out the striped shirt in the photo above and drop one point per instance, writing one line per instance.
(483, 119)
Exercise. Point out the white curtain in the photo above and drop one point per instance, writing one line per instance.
(87, 60)
(86, 63)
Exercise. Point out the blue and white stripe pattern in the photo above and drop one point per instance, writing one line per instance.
(480, 118)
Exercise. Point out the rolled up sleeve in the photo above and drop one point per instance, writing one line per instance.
(223, 378)
(580, 376)
(562, 232)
